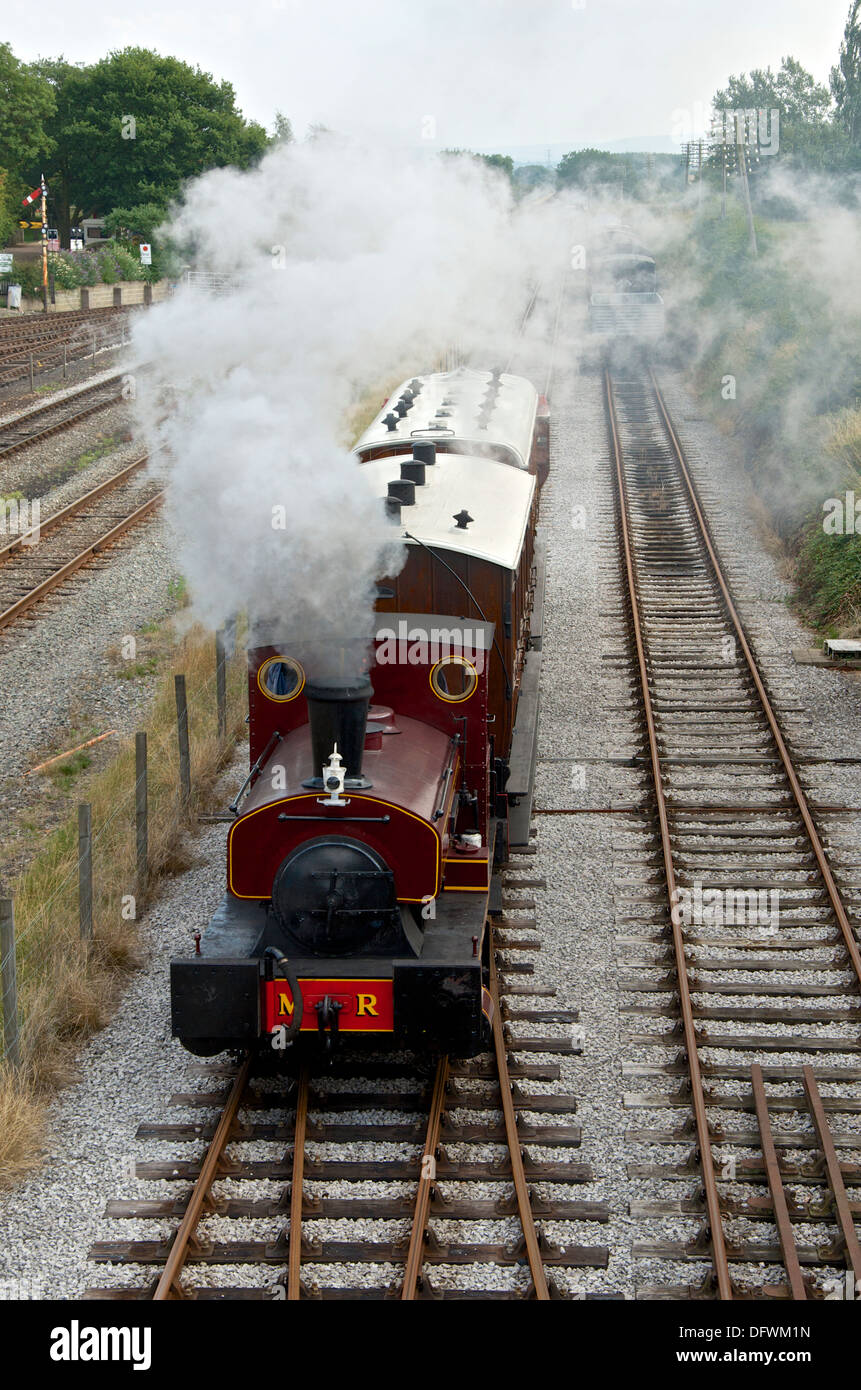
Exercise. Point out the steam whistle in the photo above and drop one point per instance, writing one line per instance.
(334, 776)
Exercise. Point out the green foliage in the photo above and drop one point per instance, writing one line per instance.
(771, 325)
(138, 222)
(142, 124)
(812, 133)
(67, 275)
(503, 162)
(8, 206)
(28, 274)
(829, 576)
(26, 108)
(133, 127)
(792, 89)
(588, 167)
(846, 76)
(64, 774)
(282, 133)
(530, 176)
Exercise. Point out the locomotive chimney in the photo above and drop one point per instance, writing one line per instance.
(338, 714)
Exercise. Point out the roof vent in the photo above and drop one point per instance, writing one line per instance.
(393, 509)
(413, 472)
(391, 421)
(415, 385)
(424, 451)
(462, 518)
(404, 491)
(402, 408)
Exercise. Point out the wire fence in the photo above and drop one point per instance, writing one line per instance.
(131, 807)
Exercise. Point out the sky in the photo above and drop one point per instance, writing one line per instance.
(508, 75)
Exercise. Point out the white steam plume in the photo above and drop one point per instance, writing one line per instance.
(350, 265)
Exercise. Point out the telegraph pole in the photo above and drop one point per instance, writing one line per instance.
(742, 154)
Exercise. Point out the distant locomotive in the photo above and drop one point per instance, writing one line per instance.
(623, 291)
(360, 864)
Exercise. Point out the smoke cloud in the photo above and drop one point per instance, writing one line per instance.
(349, 266)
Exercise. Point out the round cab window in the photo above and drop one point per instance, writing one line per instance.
(280, 678)
(454, 679)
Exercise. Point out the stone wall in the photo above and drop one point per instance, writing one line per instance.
(126, 293)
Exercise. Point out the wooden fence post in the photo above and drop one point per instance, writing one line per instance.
(11, 1043)
(85, 871)
(141, 807)
(32, 386)
(221, 683)
(182, 735)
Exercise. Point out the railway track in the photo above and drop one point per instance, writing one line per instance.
(27, 347)
(439, 1212)
(742, 956)
(40, 328)
(39, 560)
(57, 415)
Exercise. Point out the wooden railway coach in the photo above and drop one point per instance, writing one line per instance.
(360, 866)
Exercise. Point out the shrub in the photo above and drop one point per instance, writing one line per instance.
(67, 275)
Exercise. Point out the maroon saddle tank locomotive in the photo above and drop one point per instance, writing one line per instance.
(361, 862)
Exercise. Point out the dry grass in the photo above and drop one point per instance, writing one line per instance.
(365, 408)
(844, 443)
(66, 990)
(22, 1127)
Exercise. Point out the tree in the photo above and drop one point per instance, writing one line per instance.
(792, 89)
(282, 133)
(590, 166)
(26, 108)
(58, 75)
(503, 162)
(138, 222)
(530, 176)
(803, 105)
(132, 128)
(846, 76)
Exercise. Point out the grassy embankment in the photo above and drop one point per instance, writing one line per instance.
(67, 990)
(795, 357)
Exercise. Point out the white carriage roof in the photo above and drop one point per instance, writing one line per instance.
(448, 406)
(497, 497)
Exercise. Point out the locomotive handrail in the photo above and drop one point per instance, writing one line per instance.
(258, 767)
(447, 774)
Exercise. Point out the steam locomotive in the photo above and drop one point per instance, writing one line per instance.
(623, 291)
(362, 862)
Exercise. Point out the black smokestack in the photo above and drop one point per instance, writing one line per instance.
(338, 713)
